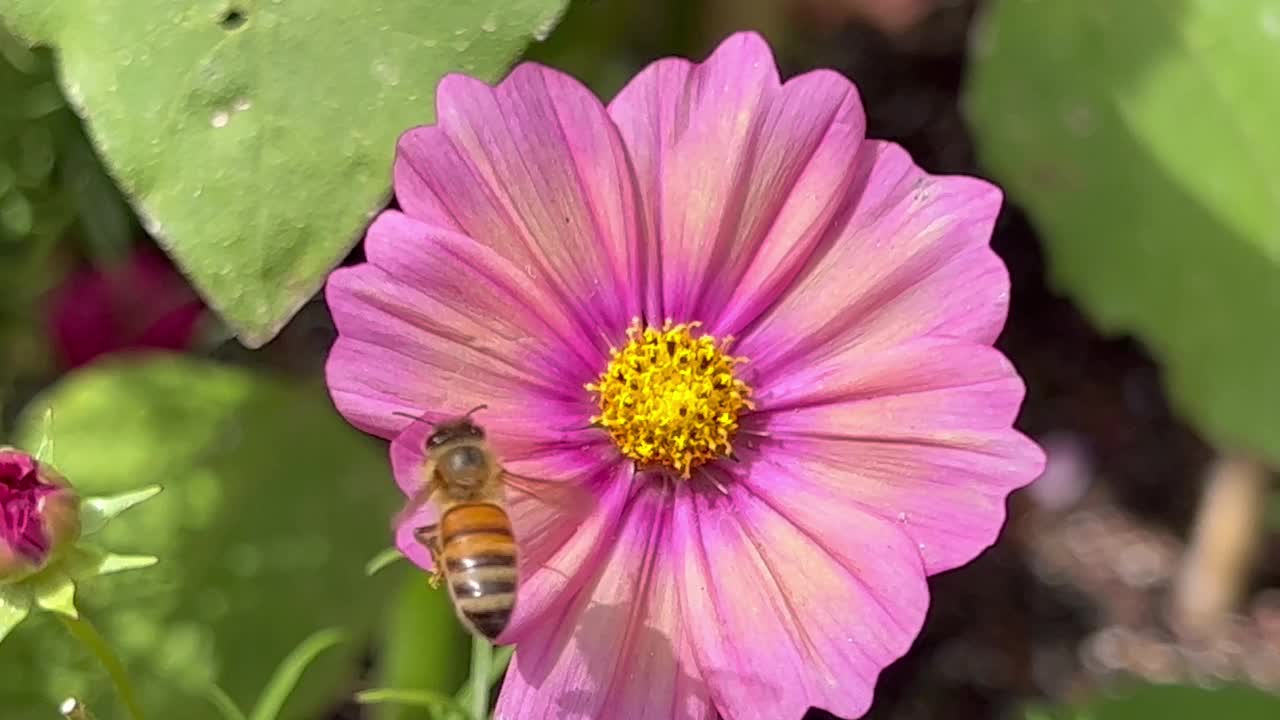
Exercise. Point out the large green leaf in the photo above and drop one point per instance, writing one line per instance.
(271, 506)
(1141, 137)
(256, 137)
(1172, 702)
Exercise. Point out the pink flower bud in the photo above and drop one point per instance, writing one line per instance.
(39, 515)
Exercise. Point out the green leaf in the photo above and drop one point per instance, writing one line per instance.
(226, 706)
(423, 647)
(1170, 702)
(285, 678)
(272, 504)
(1140, 136)
(441, 706)
(256, 137)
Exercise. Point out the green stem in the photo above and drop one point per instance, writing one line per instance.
(481, 662)
(88, 635)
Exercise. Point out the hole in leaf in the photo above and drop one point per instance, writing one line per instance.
(233, 19)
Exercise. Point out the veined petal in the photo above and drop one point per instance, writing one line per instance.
(452, 274)
(438, 323)
(617, 649)
(912, 259)
(919, 434)
(798, 189)
(739, 174)
(534, 169)
(786, 617)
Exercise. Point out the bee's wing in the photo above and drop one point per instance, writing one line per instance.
(563, 496)
(415, 502)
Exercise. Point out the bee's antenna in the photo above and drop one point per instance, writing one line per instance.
(416, 418)
(475, 410)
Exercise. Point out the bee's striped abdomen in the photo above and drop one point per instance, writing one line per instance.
(479, 554)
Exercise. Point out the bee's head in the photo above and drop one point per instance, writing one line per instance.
(462, 429)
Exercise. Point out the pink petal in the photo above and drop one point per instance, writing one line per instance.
(447, 269)
(617, 650)
(785, 615)
(918, 434)
(913, 259)
(439, 324)
(535, 170)
(740, 174)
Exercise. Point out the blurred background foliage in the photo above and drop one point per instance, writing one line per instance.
(1133, 142)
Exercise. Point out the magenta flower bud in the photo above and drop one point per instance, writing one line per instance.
(39, 515)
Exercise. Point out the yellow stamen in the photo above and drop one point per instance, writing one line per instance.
(670, 399)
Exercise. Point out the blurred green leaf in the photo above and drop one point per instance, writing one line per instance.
(272, 505)
(50, 185)
(256, 138)
(423, 647)
(226, 707)
(1170, 702)
(285, 679)
(1140, 136)
(443, 706)
(383, 560)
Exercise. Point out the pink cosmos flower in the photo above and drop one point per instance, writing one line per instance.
(759, 341)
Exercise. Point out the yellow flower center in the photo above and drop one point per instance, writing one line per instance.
(671, 399)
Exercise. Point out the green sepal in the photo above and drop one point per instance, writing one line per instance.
(86, 561)
(56, 594)
(96, 512)
(15, 605)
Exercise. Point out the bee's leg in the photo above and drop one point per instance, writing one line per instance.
(429, 536)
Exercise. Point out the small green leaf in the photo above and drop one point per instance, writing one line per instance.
(57, 594)
(285, 678)
(383, 560)
(231, 123)
(14, 608)
(438, 703)
(1140, 136)
(96, 512)
(219, 699)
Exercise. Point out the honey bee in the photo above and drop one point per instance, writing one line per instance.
(473, 544)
